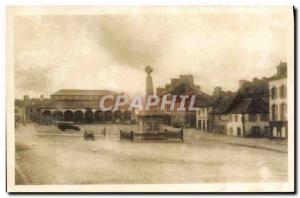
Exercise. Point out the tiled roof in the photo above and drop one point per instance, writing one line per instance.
(82, 92)
(240, 107)
(222, 103)
(249, 105)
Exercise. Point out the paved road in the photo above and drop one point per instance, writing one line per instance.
(44, 156)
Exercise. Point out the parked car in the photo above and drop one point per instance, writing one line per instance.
(63, 125)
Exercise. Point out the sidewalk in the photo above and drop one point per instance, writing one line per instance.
(261, 143)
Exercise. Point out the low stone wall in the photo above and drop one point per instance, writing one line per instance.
(166, 135)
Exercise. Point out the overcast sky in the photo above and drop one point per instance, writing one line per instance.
(110, 51)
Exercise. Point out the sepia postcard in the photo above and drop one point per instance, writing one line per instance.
(150, 99)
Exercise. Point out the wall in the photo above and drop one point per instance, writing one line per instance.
(234, 125)
(247, 124)
(278, 101)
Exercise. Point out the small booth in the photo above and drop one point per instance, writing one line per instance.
(150, 123)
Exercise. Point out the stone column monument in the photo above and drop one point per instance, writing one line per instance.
(149, 83)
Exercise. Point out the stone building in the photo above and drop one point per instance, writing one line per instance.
(278, 102)
(210, 113)
(248, 117)
(82, 106)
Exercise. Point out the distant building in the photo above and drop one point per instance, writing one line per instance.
(27, 110)
(82, 106)
(278, 102)
(184, 85)
(18, 114)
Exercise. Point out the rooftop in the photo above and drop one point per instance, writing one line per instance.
(83, 92)
(249, 106)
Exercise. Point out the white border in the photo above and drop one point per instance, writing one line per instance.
(111, 3)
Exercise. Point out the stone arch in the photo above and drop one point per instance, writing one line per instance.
(127, 115)
(47, 116)
(99, 116)
(118, 116)
(68, 115)
(58, 115)
(89, 116)
(108, 116)
(78, 116)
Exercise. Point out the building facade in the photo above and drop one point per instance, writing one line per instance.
(204, 118)
(278, 102)
(248, 117)
(210, 114)
(82, 106)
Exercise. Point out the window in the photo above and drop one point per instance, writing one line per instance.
(236, 118)
(282, 91)
(252, 117)
(274, 112)
(230, 118)
(273, 93)
(283, 111)
(264, 117)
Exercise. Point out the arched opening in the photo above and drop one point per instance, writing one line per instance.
(89, 116)
(68, 115)
(58, 115)
(108, 116)
(47, 116)
(118, 116)
(127, 115)
(78, 116)
(98, 116)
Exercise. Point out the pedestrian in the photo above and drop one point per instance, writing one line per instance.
(104, 132)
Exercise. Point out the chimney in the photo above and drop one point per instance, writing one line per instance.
(42, 97)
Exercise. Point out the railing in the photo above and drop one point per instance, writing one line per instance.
(166, 135)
